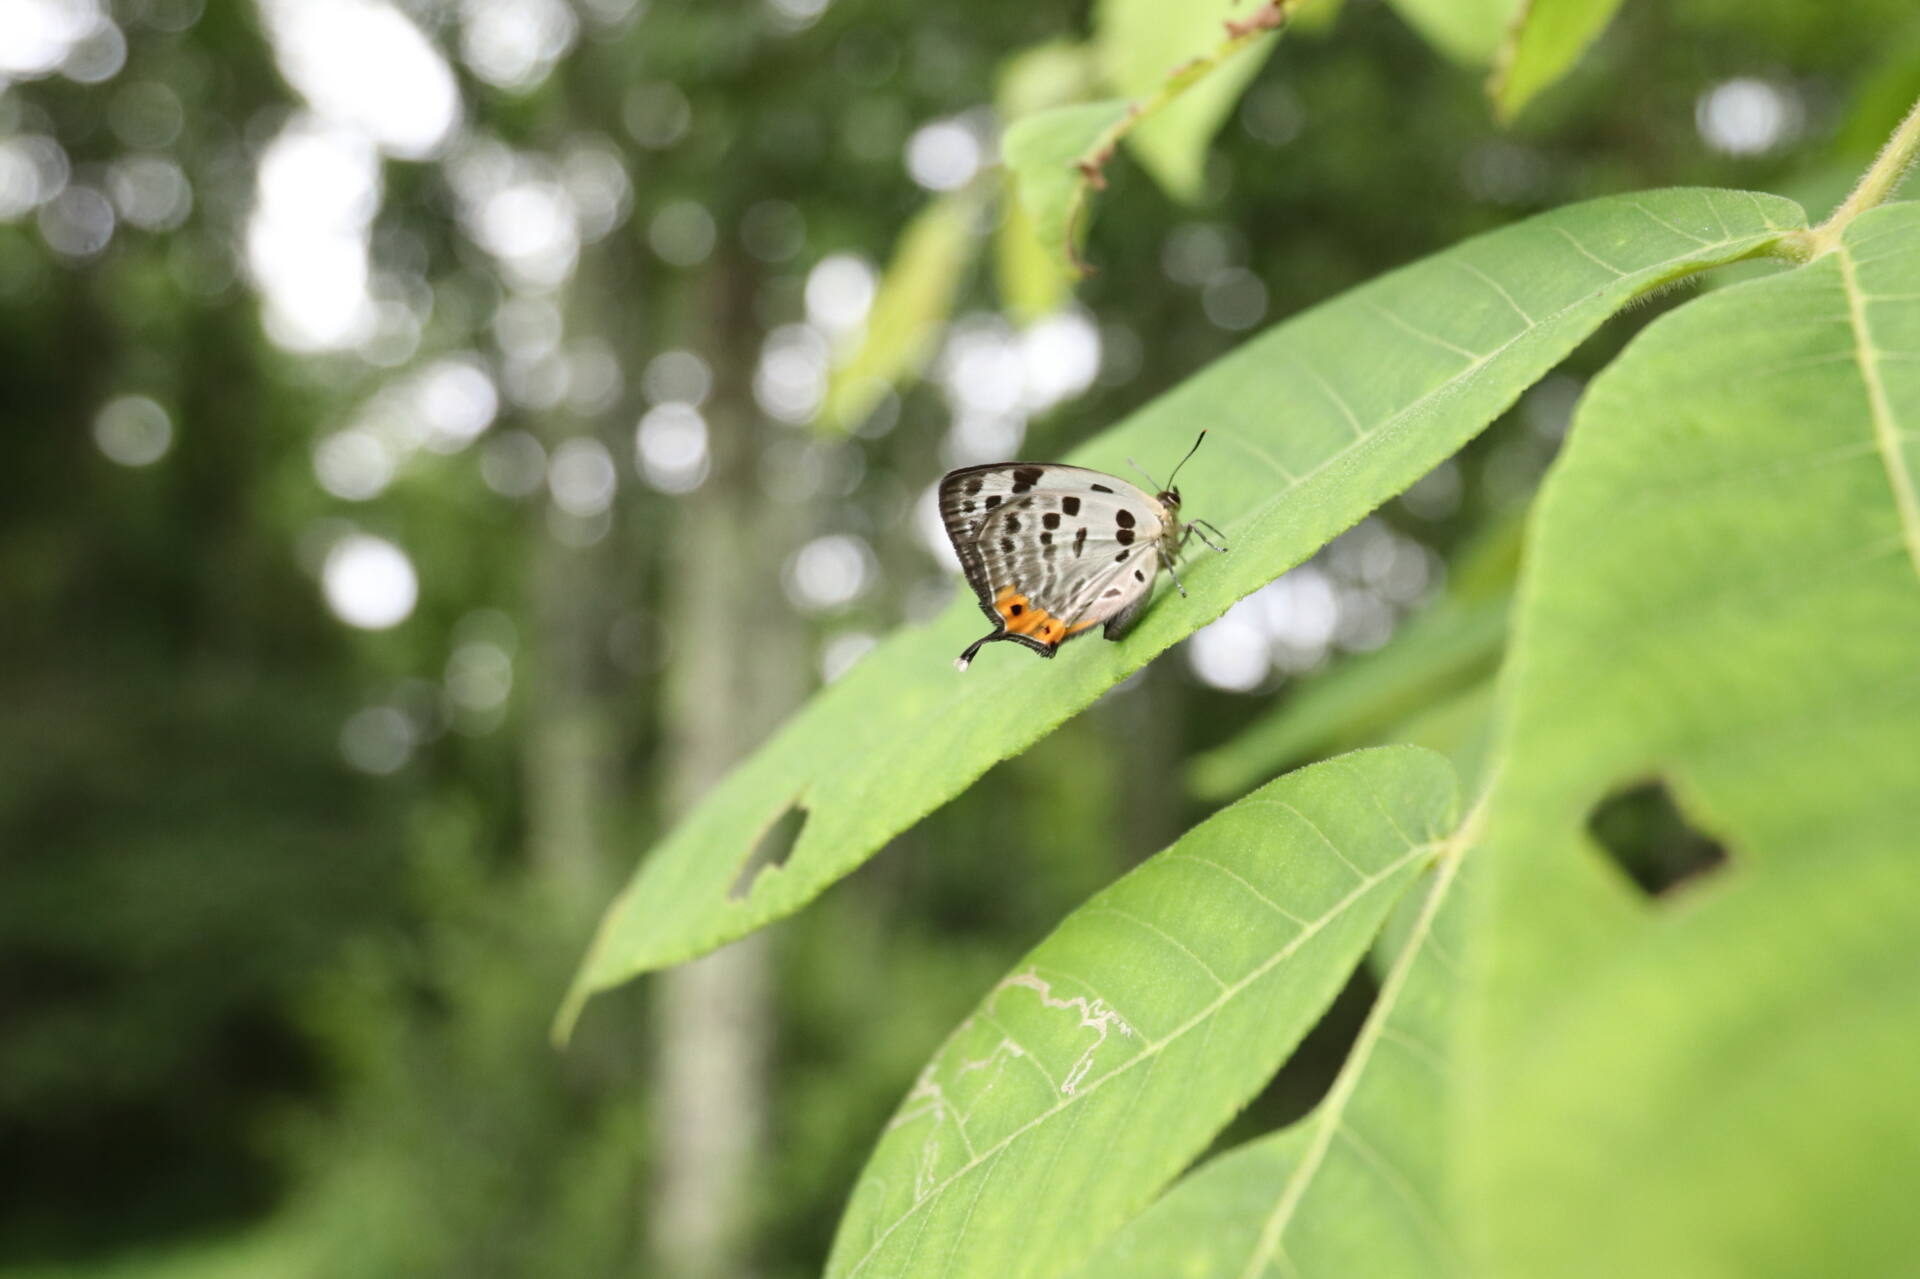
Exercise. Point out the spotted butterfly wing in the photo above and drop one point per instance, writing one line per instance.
(1053, 551)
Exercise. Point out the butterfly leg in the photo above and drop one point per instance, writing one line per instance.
(1194, 530)
(965, 659)
(1177, 585)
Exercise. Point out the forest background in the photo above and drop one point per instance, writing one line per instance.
(447, 436)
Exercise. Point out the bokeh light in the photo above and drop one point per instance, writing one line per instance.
(369, 582)
(133, 430)
(944, 155)
(364, 67)
(378, 740)
(317, 189)
(513, 44)
(670, 447)
(677, 377)
(830, 572)
(1747, 116)
(581, 477)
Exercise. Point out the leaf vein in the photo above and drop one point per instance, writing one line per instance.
(1334, 1107)
(1405, 326)
(1886, 431)
(1163, 935)
(1152, 1049)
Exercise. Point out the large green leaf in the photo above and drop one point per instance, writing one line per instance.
(1724, 592)
(1141, 43)
(1357, 1187)
(1315, 422)
(1468, 31)
(1123, 1042)
(1546, 39)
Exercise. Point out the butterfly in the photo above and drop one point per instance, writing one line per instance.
(1053, 551)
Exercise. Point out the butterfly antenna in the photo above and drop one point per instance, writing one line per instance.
(1183, 461)
(1151, 486)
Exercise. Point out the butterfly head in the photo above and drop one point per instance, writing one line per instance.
(1169, 498)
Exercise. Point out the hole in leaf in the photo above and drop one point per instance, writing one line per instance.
(774, 847)
(1648, 836)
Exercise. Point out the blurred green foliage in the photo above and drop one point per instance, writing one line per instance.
(269, 1013)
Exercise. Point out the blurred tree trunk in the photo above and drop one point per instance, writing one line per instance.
(568, 772)
(737, 663)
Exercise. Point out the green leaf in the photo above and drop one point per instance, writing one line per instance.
(1452, 645)
(1357, 1186)
(1033, 275)
(1043, 76)
(1378, 385)
(1315, 17)
(915, 299)
(1124, 1041)
(1468, 31)
(1033, 281)
(1723, 592)
(1546, 39)
(1042, 153)
(1141, 44)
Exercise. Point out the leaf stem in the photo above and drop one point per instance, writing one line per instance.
(1876, 185)
(1268, 17)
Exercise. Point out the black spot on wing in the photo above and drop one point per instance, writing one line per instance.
(1071, 505)
(1006, 546)
(1121, 558)
(1123, 536)
(1025, 477)
(1052, 518)
(993, 500)
(1100, 488)
(1079, 542)
(973, 487)
(1123, 517)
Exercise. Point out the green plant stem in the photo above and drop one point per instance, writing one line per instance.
(1267, 18)
(1876, 185)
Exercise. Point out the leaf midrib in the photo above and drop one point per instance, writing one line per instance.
(1152, 1050)
(1328, 1118)
(1886, 431)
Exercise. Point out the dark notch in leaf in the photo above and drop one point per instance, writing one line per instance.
(771, 851)
(1649, 838)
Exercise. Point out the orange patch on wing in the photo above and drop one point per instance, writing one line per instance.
(1020, 616)
(1077, 627)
